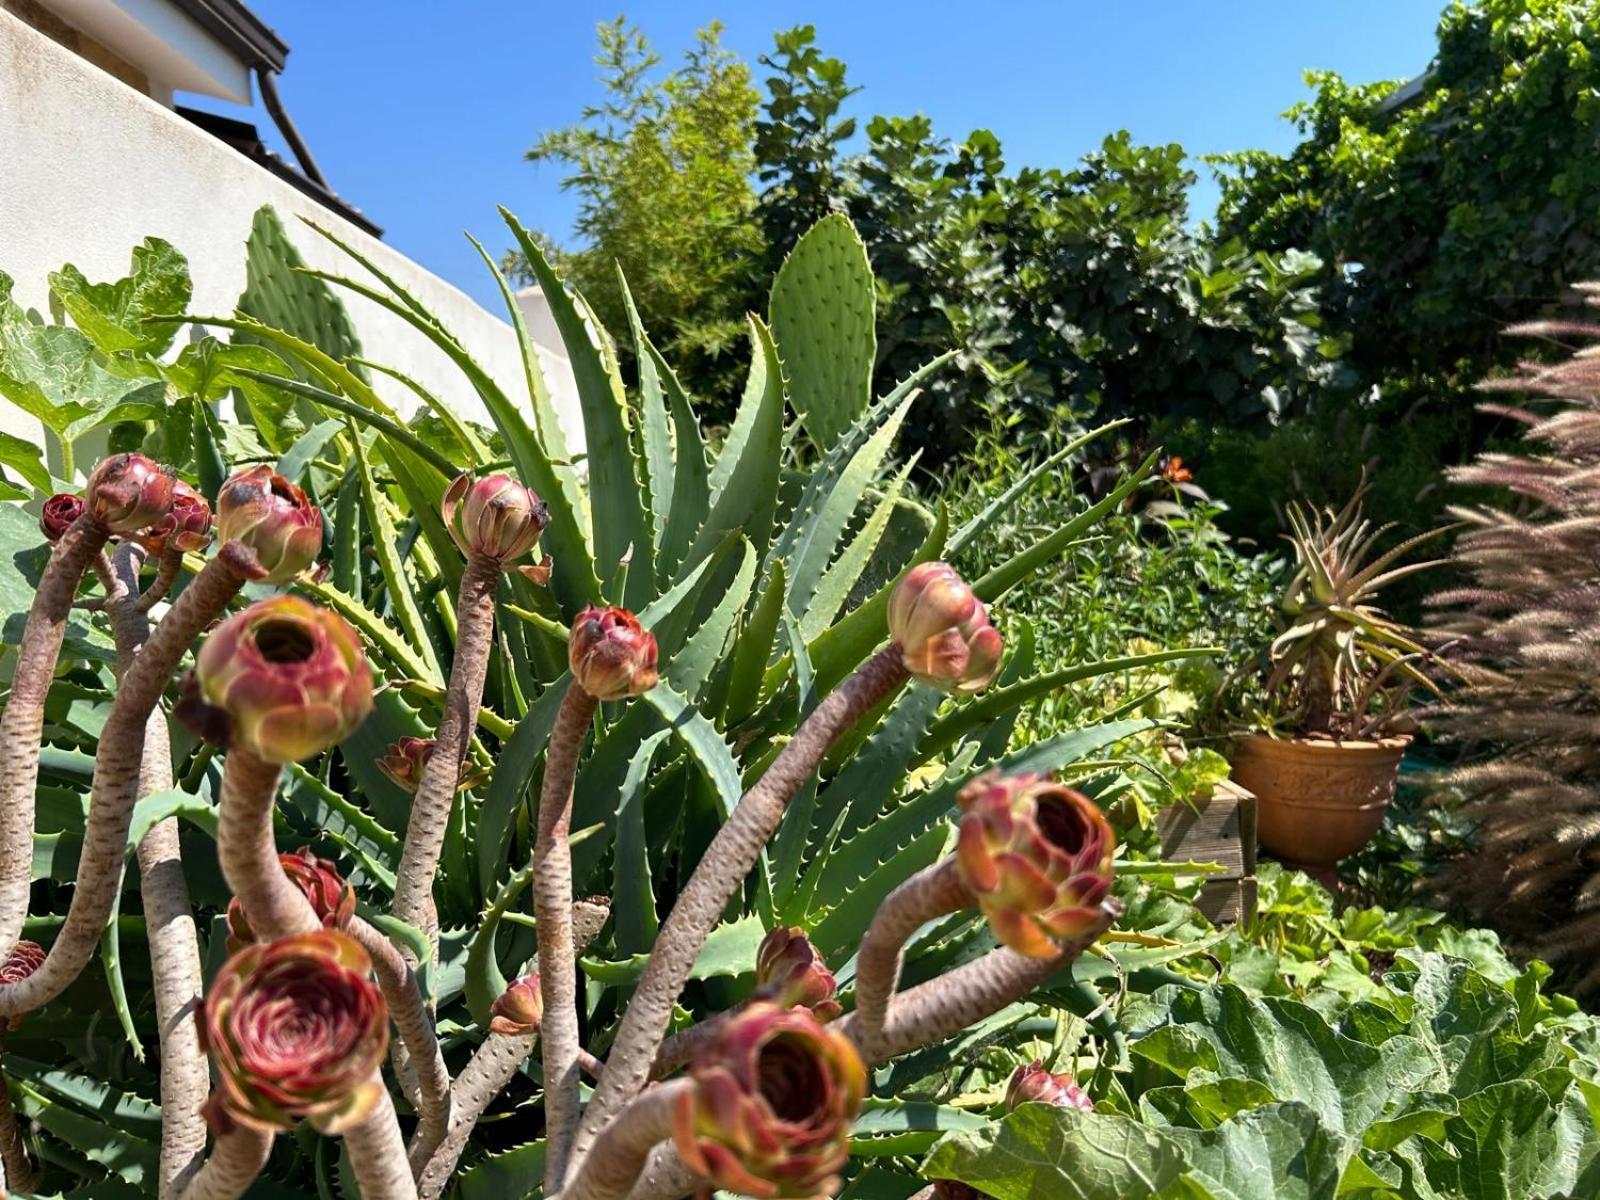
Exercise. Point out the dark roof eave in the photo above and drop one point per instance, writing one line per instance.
(240, 30)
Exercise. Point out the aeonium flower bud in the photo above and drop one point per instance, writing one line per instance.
(283, 679)
(128, 492)
(494, 516)
(772, 1105)
(58, 514)
(1037, 855)
(1031, 1083)
(272, 516)
(943, 630)
(296, 1030)
(187, 527)
(790, 972)
(612, 656)
(331, 897)
(519, 1009)
(405, 759)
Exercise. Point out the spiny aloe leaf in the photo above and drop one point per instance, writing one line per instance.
(753, 649)
(513, 777)
(632, 898)
(654, 426)
(835, 586)
(691, 666)
(515, 1172)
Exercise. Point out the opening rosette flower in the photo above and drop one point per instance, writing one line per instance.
(272, 516)
(331, 897)
(25, 958)
(943, 630)
(772, 1106)
(612, 656)
(790, 972)
(1031, 1083)
(1037, 855)
(296, 1031)
(494, 516)
(283, 679)
(186, 527)
(58, 514)
(129, 492)
(519, 1009)
(402, 764)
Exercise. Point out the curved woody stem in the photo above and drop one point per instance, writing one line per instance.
(624, 1147)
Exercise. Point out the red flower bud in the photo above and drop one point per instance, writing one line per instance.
(1037, 855)
(495, 516)
(519, 1009)
(128, 492)
(272, 516)
(611, 654)
(1032, 1083)
(332, 899)
(407, 757)
(296, 1030)
(58, 514)
(187, 527)
(288, 677)
(943, 630)
(25, 958)
(790, 972)
(772, 1106)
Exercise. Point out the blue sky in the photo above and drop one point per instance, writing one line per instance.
(419, 111)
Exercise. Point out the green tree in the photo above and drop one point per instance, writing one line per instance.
(663, 167)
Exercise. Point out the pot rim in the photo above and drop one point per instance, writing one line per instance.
(1378, 746)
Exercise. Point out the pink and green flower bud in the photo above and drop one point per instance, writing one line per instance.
(273, 518)
(283, 679)
(943, 630)
(59, 513)
(296, 1031)
(1037, 855)
(495, 516)
(404, 762)
(519, 1009)
(1031, 1083)
(612, 656)
(25, 958)
(129, 492)
(790, 972)
(330, 896)
(187, 527)
(772, 1106)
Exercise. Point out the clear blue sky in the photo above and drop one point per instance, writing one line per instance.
(419, 111)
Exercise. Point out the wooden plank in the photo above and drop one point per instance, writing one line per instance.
(1219, 828)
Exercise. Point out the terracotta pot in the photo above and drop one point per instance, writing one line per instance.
(1319, 801)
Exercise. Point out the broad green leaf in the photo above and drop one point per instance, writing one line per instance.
(113, 315)
(729, 951)
(1280, 1152)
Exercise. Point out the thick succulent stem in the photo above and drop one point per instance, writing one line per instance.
(278, 909)
(174, 947)
(235, 1161)
(552, 907)
(684, 1045)
(622, 1151)
(931, 893)
(723, 867)
(943, 1007)
(167, 568)
(16, 1170)
(436, 791)
(116, 779)
(493, 1066)
(398, 982)
(22, 722)
(666, 1178)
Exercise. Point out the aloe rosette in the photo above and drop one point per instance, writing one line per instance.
(790, 972)
(611, 655)
(1037, 856)
(330, 894)
(296, 1031)
(273, 517)
(943, 630)
(772, 1106)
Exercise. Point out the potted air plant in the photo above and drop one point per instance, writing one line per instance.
(297, 1024)
(1331, 725)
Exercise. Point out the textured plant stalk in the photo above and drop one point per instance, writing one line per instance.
(943, 1007)
(666, 1178)
(931, 893)
(623, 1149)
(552, 908)
(278, 909)
(22, 721)
(684, 1045)
(493, 1066)
(726, 862)
(17, 1172)
(174, 946)
(436, 790)
(116, 779)
(235, 1161)
(425, 1061)
(167, 568)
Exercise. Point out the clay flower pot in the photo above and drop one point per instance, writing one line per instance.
(1318, 801)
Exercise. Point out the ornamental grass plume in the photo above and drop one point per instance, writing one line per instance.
(1037, 856)
(273, 517)
(772, 1106)
(943, 630)
(296, 1031)
(332, 898)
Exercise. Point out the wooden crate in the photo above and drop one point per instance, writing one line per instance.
(1219, 828)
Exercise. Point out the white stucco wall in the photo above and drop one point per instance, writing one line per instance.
(89, 167)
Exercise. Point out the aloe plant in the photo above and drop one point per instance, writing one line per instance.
(770, 769)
